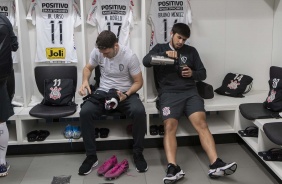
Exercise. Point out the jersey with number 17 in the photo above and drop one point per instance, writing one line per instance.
(55, 21)
(112, 15)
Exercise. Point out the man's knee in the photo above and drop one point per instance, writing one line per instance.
(170, 126)
(201, 125)
(84, 112)
(87, 110)
(139, 111)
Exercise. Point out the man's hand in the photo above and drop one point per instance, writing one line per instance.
(171, 54)
(82, 88)
(122, 96)
(186, 72)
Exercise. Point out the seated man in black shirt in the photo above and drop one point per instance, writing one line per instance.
(178, 94)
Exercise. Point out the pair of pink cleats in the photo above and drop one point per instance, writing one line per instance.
(112, 169)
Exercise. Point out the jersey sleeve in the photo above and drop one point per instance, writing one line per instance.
(31, 15)
(132, 16)
(189, 13)
(93, 60)
(76, 14)
(151, 23)
(134, 65)
(92, 14)
(149, 17)
(15, 24)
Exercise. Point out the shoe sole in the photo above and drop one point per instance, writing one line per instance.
(141, 171)
(170, 180)
(223, 171)
(77, 137)
(94, 165)
(5, 173)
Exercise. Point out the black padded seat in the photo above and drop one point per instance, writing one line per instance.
(53, 72)
(273, 131)
(252, 111)
(44, 111)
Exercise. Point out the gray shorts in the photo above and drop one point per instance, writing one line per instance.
(173, 105)
(6, 108)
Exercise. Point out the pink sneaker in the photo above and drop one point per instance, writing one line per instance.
(116, 171)
(107, 165)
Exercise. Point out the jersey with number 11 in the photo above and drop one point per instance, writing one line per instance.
(55, 21)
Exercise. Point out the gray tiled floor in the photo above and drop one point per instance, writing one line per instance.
(40, 169)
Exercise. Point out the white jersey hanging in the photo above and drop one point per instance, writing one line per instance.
(163, 15)
(55, 21)
(8, 8)
(113, 15)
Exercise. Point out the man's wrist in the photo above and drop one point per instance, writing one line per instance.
(126, 95)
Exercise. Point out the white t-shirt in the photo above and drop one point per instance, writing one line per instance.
(8, 8)
(55, 21)
(117, 71)
(163, 15)
(113, 15)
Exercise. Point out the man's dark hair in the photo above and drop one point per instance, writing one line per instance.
(106, 39)
(182, 29)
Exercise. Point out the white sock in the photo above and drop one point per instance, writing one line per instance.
(4, 138)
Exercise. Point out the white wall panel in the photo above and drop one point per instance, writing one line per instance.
(249, 39)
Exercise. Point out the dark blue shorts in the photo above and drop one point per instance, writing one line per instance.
(6, 108)
(174, 105)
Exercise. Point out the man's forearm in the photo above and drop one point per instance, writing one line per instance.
(134, 88)
(86, 74)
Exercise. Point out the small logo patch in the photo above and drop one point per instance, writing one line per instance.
(166, 111)
(271, 96)
(121, 67)
(55, 93)
(233, 85)
(56, 53)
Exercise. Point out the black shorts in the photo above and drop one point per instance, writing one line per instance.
(6, 108)
(174, 105)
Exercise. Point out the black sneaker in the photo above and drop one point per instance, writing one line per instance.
(173, 174)
(220, 168)
(88, 163)
(140, 162)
